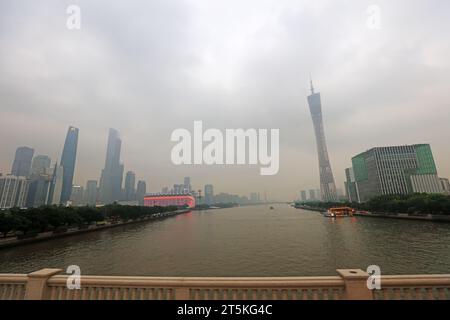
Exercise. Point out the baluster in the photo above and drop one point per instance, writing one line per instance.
(108, 293)
(101, 293)
(132, 293)
(418, 293)
(430, 295)
(85, 293)
(441, 293)
(125, 294)
(397, 293)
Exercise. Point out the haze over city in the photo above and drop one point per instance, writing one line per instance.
(147, 69)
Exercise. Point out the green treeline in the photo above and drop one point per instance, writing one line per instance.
(54, 218)
(419, 203)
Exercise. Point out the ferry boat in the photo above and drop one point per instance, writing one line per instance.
(340, 212)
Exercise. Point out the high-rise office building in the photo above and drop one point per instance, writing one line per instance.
(141, 190)
(39, 190)
(209, 194)
(350, 186)
(54, 196)
(90, 195)
(22, 162)
(13, 191)
(77, 195)
(303, 196)
(327, 185)
(395, 170)
(40, 165)
(68, 159)
(312, 194)
(111, 178)
(130, 183)
(178, 189)
(187, 185)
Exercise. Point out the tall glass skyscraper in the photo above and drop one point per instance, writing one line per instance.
(22, 162)
(130, 183)
(112, 174)
(327, 185)
(68, 158)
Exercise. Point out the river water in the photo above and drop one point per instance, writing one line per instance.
(244, 241)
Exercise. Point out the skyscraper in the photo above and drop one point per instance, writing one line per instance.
(350, 186)
(111, 178)
(68, 159)
(187, 185)
(40, 165)
(38, 190)
(327, 185)
(141, 191)
(77, 195)
(91, 193)
(54, 196)
(209, 194)
(13, 191)
(130, 182)
(22, 162)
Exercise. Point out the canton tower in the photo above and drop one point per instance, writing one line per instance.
(327, 185)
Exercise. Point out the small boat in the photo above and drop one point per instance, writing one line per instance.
(271, 208)
(340, 212)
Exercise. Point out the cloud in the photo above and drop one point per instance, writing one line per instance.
(149, 67)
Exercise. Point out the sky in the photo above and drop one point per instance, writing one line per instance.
(147, 68)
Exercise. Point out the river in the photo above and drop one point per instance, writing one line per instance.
(244, 241)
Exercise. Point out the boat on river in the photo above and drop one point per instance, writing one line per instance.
(340, 212)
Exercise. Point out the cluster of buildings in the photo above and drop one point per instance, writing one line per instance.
(184, 195)
(393, 170)
(34, 181)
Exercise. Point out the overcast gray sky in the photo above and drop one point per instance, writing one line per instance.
(149, 67)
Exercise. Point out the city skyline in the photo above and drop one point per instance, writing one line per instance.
(249, 69)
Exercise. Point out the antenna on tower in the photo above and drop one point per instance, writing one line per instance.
(312, 87)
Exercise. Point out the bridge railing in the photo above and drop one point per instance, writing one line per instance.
(47, 284)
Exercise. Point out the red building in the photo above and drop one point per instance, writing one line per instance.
(163, 200)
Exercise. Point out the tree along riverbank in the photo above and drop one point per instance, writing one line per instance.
(38, 224)
(428, 207)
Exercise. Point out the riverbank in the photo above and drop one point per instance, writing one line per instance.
(404, 216)
(45, 236)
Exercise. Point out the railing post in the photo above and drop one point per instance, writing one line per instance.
(355, 284)
(182, 293)
(36, 288)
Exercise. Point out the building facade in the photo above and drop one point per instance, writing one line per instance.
(13, 191)
(169, 200)
(141, 190)
(130, 183)
(21, 166)
(209, 194)
(395, 170)
(67, 163)
(39, 190)
(303, 196)
(351, 190)
(327, 184)
(445, 184)
(111, 177)
(90, 195)
(40, 165)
